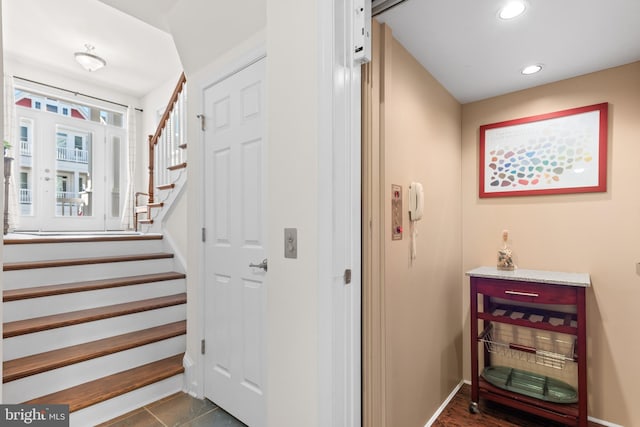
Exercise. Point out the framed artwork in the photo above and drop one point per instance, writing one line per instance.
(555, 153)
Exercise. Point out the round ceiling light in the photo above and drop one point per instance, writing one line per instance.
(531, 69)
(89, 60)
(512, 9)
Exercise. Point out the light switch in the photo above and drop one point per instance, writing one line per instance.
(291, 243)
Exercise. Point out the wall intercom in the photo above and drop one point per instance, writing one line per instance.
(416, 201)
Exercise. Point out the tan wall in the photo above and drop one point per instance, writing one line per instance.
(597, 233)
(421, 139)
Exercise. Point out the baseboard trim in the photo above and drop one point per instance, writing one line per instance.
(436, 414)
(603, 423)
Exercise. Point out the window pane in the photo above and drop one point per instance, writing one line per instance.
(27, 99)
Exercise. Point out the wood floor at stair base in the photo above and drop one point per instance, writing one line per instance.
(91, 393)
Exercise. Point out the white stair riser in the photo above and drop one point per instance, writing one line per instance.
(20, 279)
(25, 345)
(62, 378)
(56, 304)
(46, 251)
(168, 197)
(127, 402)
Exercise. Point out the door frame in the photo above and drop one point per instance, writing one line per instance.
(339, 216)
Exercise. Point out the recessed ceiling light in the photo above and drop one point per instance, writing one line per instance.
(531, 69)
(512, 9)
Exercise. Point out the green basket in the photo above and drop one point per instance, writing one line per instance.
(530, 384)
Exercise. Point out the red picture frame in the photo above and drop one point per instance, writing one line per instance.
(556, 153)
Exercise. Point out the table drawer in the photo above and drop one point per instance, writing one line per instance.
(526, 292)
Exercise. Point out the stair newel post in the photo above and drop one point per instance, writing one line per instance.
(152, 147)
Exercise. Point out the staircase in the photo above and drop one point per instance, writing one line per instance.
(148, 216)
(97, 323)
(167, 163)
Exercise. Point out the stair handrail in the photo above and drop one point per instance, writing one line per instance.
(153, 139)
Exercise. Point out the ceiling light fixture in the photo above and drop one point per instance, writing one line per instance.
(89, 61)
(531, 69)
(512, 9)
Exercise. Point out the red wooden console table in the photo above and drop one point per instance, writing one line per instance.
(543, 297)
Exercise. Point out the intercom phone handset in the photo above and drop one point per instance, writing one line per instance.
(416, 208)
(416, 201)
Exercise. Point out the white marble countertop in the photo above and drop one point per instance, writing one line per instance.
(537, 276)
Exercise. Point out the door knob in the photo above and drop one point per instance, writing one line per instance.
(262, 265)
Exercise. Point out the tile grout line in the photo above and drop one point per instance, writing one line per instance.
(199, 416)
(154, 416)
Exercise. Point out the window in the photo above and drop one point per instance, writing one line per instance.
(61, 140)
(78, 142)
(26, 99)
(25, 137)
(61, 184)
(24, 180)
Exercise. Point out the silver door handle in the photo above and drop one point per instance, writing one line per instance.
(262, 265)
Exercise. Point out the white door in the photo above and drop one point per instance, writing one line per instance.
(63, 167)
(235, 292)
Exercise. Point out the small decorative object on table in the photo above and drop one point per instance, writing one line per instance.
(505, 255)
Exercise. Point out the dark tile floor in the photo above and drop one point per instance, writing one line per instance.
(179, 409)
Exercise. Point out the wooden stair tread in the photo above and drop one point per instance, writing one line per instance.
(66, 288)
(155, 205)
(42, 362)
(182, 146)
(82, 239)
(37, 324)
(145, 221)
(182, 165)
(166, 187)
(26, 265)
(90, 393)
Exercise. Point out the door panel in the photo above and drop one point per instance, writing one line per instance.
(66, 167)
(234, 204)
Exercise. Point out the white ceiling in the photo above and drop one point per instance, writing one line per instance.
(46, 33)
(461, 42)
(475, 55)
(153, 12)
